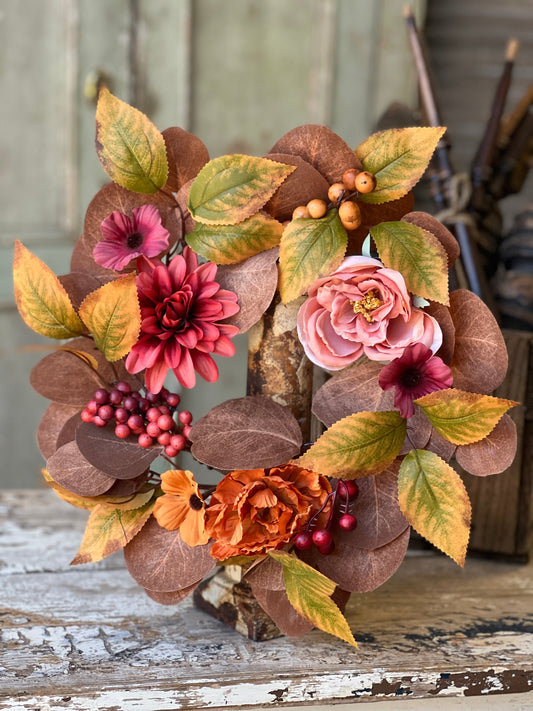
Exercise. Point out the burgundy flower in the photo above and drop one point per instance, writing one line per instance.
(181, 310)
(126, 238)
(415, 373)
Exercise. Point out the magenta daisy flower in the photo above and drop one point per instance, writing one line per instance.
(126, 238)
(181, 310)
(415, 373)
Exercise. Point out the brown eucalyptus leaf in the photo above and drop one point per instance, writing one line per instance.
(277, 606)
(171, 598)
(303, 185)
(442, 233)
(442, 314)
(113, 197)
(68, 431)
(359, 569)
(322, 148)
(246, 433)
(65, 378)
(354, 389)
(186, 155)
(118, 458)
(182, 200)
(268, 573)
(491, 455)
(378, 514)
(82, 260)
(51, 425)
(161, 562)
(80, 284)
(254, 281)
(69, 468)
(127, 487)
(441, 446)
(480, 359)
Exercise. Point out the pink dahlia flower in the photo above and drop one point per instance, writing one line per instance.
(126, 238)
(415, 373)
(181, 310)
(362, 308)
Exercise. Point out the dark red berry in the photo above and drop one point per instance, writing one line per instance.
(145, 440)
(186, 431)
(163, 394)
(327, 549)
(164, 410)
(303, 541)
(152, 397)
(106, 412)
(153, 430)
(153, 414)
(143, 404)
(173, 399)
(101, 396)
(99, 422)
(164, 438)
(86, 416)
(122, 431)
(131, 403)
(92, 407)
(348, 522)
(348, 489)
(170, 451)
(165, 422)
(123, 387)
(178, 441)
(115, 397)
(322, 537)
(185, 417)
(121, 415)
(135, 422)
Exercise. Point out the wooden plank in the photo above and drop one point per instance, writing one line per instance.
(88, 637)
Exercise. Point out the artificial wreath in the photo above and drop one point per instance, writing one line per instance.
(317, 248)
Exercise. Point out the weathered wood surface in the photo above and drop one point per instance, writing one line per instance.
(88, 638)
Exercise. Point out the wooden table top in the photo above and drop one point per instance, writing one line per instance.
(87, 637)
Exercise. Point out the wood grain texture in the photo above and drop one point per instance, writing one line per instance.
(88, 638)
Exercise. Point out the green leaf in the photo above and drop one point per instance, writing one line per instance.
(112, 315)
(309, 592)
(229, 244)
(359, 445)
(309, 248)
(417, 255)
(231, 188)
(434, 500)
(110, 528)
(130, 148)
(398, 158)
(41, 299)
(462, 417)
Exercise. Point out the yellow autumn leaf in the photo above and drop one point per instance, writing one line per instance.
(130, 148)
(113, 316)
(109, 529)
(41, 299)
(462, 417)
(434, 500)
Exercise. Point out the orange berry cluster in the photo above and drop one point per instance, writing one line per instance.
(354, 183)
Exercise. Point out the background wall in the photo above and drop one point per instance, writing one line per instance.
(239, 74)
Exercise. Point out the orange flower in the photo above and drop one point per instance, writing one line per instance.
(182, 507)
(256, 510)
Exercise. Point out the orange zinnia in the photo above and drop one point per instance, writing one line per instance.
(182, 507)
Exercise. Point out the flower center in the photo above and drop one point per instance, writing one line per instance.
(135, 240)
(195, 502)
(367, 304)
(410, 378)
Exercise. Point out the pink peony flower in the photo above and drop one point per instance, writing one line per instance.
(126, 238)
(415, 373)
(362, 308)
(181, 310)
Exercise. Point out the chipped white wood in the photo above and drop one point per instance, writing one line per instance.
(88, 638)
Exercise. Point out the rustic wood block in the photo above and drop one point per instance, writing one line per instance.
(502, 505)
(87, 637)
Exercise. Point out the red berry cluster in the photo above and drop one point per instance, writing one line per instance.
(346, 492)
(150, 417)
